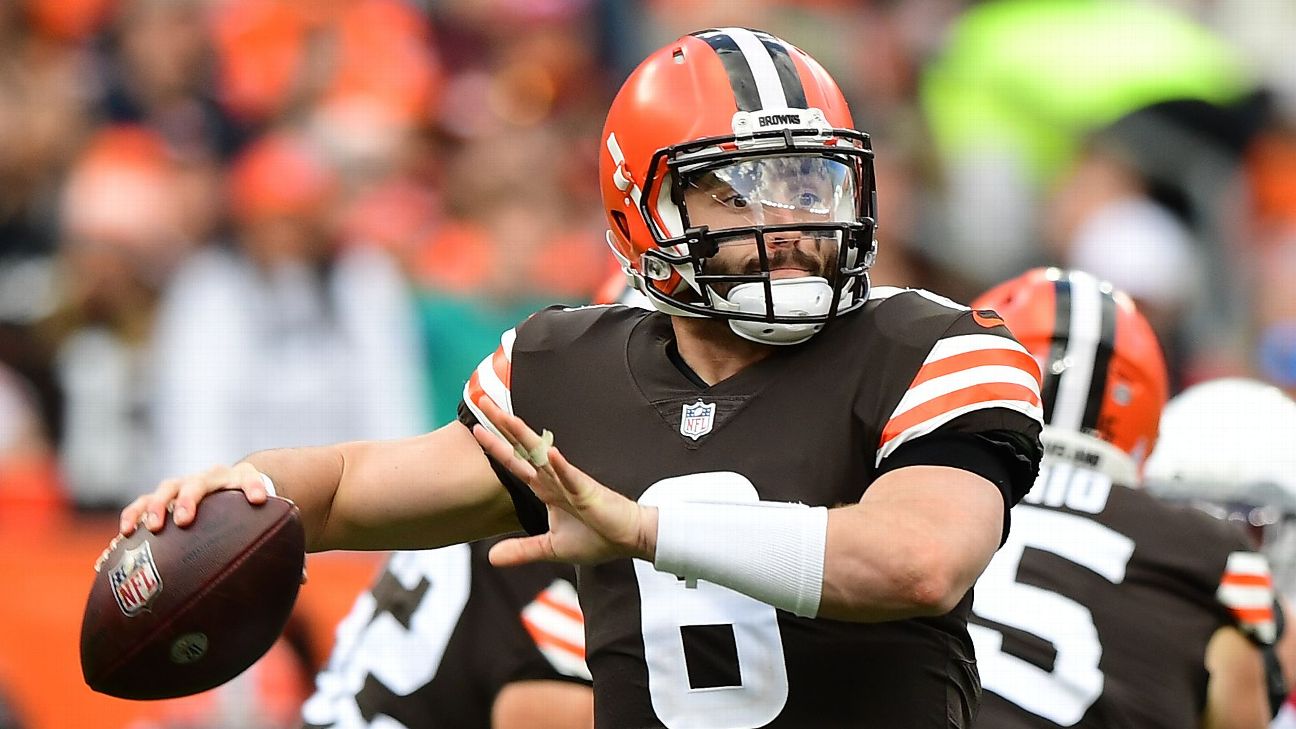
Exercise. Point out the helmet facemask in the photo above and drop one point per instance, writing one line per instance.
(773, 232)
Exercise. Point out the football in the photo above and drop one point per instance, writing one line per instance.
(185, 610)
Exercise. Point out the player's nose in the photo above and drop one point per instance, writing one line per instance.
(784, 238)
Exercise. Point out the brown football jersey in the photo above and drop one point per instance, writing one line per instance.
(441, 631)
(813, 423)
(1096, 612)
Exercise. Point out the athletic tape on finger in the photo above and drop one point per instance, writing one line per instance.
(539, 456)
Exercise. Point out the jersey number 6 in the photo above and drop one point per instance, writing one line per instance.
(686, 695)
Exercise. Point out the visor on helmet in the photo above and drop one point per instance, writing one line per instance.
(769, 191)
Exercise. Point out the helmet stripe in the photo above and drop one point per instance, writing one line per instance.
(793, 89)
(1057, 349)
(1083, 336)
(1102, 361)
(753, 75)
(762, 67)
(741, 79)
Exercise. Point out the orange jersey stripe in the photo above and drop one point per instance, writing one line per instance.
(503, 368)
(967, 396)
(545, 638)
(1253, 615)
(1246, 580)
(475, 391)
(546, 599)
(977, 358)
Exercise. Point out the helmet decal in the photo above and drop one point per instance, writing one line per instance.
(1084, 337)
(760, 69)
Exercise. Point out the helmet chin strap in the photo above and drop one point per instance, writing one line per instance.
(801, 296)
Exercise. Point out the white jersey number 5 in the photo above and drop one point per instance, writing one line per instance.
(1065, 694)
(668, 605)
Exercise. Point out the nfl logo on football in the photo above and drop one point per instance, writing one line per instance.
(697, 419)
(135, 580)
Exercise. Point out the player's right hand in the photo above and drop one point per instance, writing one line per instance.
(589, 523)
(180, 496)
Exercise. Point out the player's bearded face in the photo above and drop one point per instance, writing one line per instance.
(773, 191)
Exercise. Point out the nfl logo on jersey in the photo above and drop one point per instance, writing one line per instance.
(697, 419)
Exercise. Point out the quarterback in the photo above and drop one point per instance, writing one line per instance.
(780, 485)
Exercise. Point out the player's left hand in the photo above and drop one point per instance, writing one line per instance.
(588, 522)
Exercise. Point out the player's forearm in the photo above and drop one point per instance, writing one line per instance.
(811, 562)
(1286, 647)
(310, 478)
(912, 547)
(414, 493)
(1236, 696)
(876, 571)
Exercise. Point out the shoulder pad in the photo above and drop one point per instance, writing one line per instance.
(900, 313)
(555, 327)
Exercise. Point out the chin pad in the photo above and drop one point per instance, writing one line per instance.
(804, 296)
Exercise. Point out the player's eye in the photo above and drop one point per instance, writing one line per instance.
(808, 200)
(733, 200)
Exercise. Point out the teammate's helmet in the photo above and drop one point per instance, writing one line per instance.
(756, 114)
(1105, 378)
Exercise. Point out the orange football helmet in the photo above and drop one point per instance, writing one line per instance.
(746, 107)
(1105, 379)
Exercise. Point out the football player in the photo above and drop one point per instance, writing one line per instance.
(1226, 445)
(443, 640)
(780, 485)
(1107, 607)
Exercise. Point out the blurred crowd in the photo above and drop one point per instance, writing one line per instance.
(227, 224)
(232, 224)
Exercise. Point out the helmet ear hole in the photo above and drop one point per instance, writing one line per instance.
(622, 224)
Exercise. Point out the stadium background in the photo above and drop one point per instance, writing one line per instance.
(232, 224)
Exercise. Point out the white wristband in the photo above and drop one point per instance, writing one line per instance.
(269, 485)
(771, 551)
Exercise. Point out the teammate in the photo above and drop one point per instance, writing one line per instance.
(444, 640)
(1226, 445)
(1107, 607)
(788, 481)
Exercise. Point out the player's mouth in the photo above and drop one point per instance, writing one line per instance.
(787, 263)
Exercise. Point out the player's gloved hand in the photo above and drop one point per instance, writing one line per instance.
(180, 496)
(588, 522)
